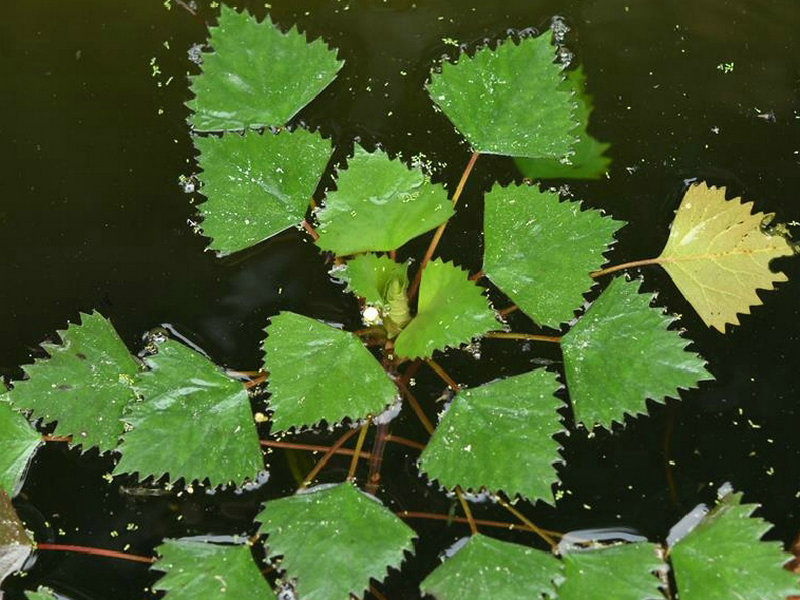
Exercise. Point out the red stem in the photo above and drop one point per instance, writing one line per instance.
(311, 231)
(96, 552)
(507, 310)
(376, 460)
(404, 441)
(503, 335)
(443, 375)
(310, 447)
(327, 456)
(407, 514)
(412, 291)
(415, 405)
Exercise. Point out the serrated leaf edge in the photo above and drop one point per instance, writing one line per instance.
(407, 549)
(349, 422)
(559, 460)
(669, 319)
(268, 21)
(439, 65)
(49, 347)
(199, 214)
(608, 248)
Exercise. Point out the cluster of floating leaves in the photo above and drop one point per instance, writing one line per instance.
(542, 252)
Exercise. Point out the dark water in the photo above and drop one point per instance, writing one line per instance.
(91, 216)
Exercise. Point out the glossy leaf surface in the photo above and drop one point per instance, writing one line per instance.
(621, 352)
(540, 251)
(84, 386)
(194, 569)
(41, 593)
(509, 101)
(724, 554)
(333, 540)
(369, 276)
(18, 443)
(718, 255)
(257, 185)
(451, 311)
(256, 76)
(499, 436)
(379, 205)
(319, 373)
(588, 160)
(199, 413)
(622, 572)
(488, 568)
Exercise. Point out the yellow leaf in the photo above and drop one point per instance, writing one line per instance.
(718, 254)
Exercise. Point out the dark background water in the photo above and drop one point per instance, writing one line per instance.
(92, 216)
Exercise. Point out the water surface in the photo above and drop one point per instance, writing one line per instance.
(92, 217)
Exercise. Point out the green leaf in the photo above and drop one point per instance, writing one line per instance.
(499, 436)
(589, 160)
(198, 414)
(257, 185)
(41, 593)
(383, 283)
(451, 311)
(319, 373)
(509, 101)
(379, 204)
(15, 543)
(85, 385)
(540, 251)
(369, 276)
(724, 553)
(19, 443)
(621, 352)
(488, 568)
(622, 572)
(257, 76)
(194, 569)
(333, 540)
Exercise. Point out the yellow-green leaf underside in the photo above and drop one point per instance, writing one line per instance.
(718, 254)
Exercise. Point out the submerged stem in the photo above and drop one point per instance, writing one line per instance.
(326, 457)
(253, 378)
(407, 514)
(256, 381)
(412, 369)
(404, 442)
(376, 593)
(362, 434)
(442, 374)
(503, 335)
(376, 458)
(310, 447)
(310, 230)
(507, 310)
(376, 330)
(467, 512)
(415, 406)
(545, 535)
